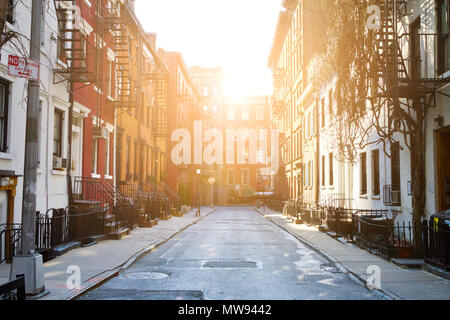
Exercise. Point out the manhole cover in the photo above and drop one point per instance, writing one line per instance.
(146, 275)
(229, 264)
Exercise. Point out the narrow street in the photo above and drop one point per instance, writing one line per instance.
(236, 254)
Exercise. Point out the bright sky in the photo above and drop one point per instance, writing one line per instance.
(234, 34)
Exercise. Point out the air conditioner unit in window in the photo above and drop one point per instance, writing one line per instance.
(59, 163)
(100, 133)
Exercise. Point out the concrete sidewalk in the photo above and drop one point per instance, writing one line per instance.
(107, 258)
(396, 282)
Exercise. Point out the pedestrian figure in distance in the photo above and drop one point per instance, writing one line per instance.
(197, 213)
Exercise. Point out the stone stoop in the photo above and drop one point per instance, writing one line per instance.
(119, 234)
(148, 224)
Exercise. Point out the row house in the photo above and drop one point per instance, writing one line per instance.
(102, 123)
(381, 176)
(52, 190)
(250, 178)
(209, 84)
(183, 109)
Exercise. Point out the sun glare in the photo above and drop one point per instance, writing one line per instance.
(233, 34)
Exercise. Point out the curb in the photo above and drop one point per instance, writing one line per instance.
(129, 262)
(353, 276)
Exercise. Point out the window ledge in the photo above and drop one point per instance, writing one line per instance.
(108, 177)
(376, 197)
(95, 176)
(59, 172)
(6, 156)
(363, 196)
(331, 187)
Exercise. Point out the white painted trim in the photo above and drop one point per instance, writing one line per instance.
(85, 27)
(111, 55)
(6, 156)
(61, 103)
(80, 109)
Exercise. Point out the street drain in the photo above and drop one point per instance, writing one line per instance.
(146, 275)
(230, 264)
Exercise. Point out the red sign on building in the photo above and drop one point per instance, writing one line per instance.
(23, 68)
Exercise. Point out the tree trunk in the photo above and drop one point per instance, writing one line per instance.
(418, 174)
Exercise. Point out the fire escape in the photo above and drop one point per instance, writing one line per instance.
(403, 70)
(75, 62)
(114, 21)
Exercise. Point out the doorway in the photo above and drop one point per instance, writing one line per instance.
(443, 172)
(76, 152)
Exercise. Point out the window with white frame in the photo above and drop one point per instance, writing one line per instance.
(230, 177)
(245, 177)
(230, 113)
(58, 121)
(94, 159)
(245, 112)
(260, 113)
(4, 98)
(110, 78)
(107, 155)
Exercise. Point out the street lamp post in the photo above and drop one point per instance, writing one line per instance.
(198, 171)
(211, 181)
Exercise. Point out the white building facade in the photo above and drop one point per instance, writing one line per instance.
(53, 125)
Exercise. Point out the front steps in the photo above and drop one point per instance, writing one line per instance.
(119, 234)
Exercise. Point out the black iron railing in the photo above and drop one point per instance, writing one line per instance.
(13, 290)
(436, 244)
(10, 241)
(388, 238)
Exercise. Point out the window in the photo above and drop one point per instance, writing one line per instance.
(230, 113)
(414, 30)
(323, 171)
(4, 93)
(205, 91)
(331, 169)
(10, 11)
(443, 27)
(230, 177)
(94, 159)
(57, 132)
(128, 158)
(395, 166)
(205, 109)
(107, 153)
(245, 112)
(245, 177)
(109, 78)
(259, 113)
(136, 147)
(215, 91)
(322, 113)
(375, 172)
(363, 168)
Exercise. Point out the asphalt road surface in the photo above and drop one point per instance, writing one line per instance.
(236, 254)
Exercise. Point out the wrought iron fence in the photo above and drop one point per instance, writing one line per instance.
(13, 290)
(388, 238)
(436, 244)
(10, 241)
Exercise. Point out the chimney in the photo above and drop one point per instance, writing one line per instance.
(151, 36)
